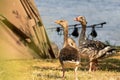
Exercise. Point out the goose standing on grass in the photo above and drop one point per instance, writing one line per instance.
(69, 55)
(92, 49)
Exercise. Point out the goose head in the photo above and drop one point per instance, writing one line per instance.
(62, 23)
(81, 19)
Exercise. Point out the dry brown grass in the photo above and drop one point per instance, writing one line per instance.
(48, 69)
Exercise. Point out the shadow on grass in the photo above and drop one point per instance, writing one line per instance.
(110, 64)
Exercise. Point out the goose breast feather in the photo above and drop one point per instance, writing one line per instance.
(68, 54)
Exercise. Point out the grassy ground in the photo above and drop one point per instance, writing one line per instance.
(48, 69)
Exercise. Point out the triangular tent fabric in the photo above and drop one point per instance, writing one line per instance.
(22, 33)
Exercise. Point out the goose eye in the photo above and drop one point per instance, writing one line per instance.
(61, 21)
(71, 43)
(82, 18)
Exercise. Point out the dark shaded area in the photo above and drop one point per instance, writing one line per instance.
(13, 28)
(23, 38)
(108, 64)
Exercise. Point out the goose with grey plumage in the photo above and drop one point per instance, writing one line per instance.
(92, 49)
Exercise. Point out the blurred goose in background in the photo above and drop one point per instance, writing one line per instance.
(92, 49)
(69, 55)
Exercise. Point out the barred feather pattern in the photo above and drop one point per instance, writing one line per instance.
(95, 49)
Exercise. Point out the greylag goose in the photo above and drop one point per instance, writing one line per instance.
(69, 55)
(94, 50)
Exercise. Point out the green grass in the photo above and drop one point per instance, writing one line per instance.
(50, 69)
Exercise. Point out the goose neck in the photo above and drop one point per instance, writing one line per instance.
(65, 35)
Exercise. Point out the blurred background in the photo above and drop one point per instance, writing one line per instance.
(95, 11)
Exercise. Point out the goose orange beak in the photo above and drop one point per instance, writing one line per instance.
(55, 21)
(76, 19)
